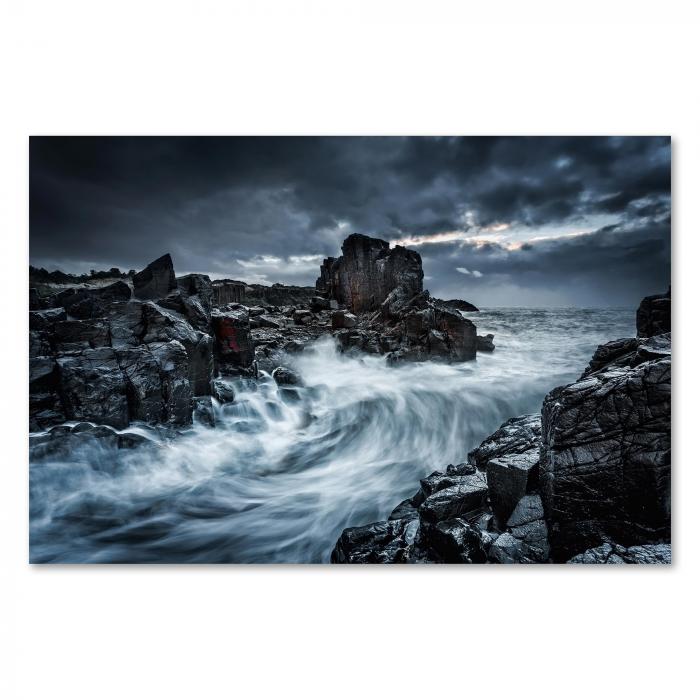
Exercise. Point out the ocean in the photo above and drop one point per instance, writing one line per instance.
(286, 470)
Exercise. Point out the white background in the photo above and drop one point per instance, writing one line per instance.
(429, 67)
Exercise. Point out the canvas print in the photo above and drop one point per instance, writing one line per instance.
(350, 350)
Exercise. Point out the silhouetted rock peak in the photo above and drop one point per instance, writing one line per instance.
(368, 271)
(156, 280)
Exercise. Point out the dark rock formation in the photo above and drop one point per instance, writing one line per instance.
(47, 319)
(605, 469)
(484, 343)
(654, 315)
(234, 344)
(222, 391)
(457, 305)
(367, 271)
(516, 436)
(286, 377)
(45, 407)
(378, 543)
(102, 356)
(69, 336)
(453, 541)
(156, 280)
(193, 300)
(615, 554)
(177, 390)
(463, 499)
(343, 319)
(62, 441)
(227, 292)
(161, 325)
(510, 477)
(588, 482)
(525, 540)
(92, 387)
(605, 355)
(203, 411)
(144, 390)
(92, 302)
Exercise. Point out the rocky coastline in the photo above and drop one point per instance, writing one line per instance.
(150, 346)
(586, 481)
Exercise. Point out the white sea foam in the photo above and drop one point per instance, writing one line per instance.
(285, 470)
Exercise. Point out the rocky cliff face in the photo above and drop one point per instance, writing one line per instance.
(605, 461)
(588, 481)
(368, 271)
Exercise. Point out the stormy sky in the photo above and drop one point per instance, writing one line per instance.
(518, 221)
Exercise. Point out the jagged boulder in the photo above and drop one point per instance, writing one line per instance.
(459, 333)
(46, 320)
(515, 436)
(510, 477)
(619, 351)
(343, 319)
(654, 315)
(286, 377)
(457, 305)
(525, 539)
(156, 280)
(222, 391)
(464, 499)
(144, 389)
(40, 344)
(92, 302)
(192, 299)
(453, 541)
(92, 387)
(484, 343)
(173, 365)
(162, 325)
(62, 441)
(605, 463)
(45, 407)
(127, 325)
(234, 344)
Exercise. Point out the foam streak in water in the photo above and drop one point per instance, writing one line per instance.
(285, 470)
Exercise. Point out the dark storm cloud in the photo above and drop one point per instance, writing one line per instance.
(267, 208)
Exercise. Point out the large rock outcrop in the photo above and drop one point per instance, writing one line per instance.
(654, 315)
(382, 287)
(605, 461)
(367, 271)
(102, 356)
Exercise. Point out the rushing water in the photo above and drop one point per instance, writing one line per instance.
(285, 471)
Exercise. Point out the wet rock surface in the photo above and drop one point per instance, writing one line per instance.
(605, 469)
(156, 280)
(654, 315)
(610, 553)
(585, 482)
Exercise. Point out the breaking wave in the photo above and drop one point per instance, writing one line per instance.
(286, 469)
